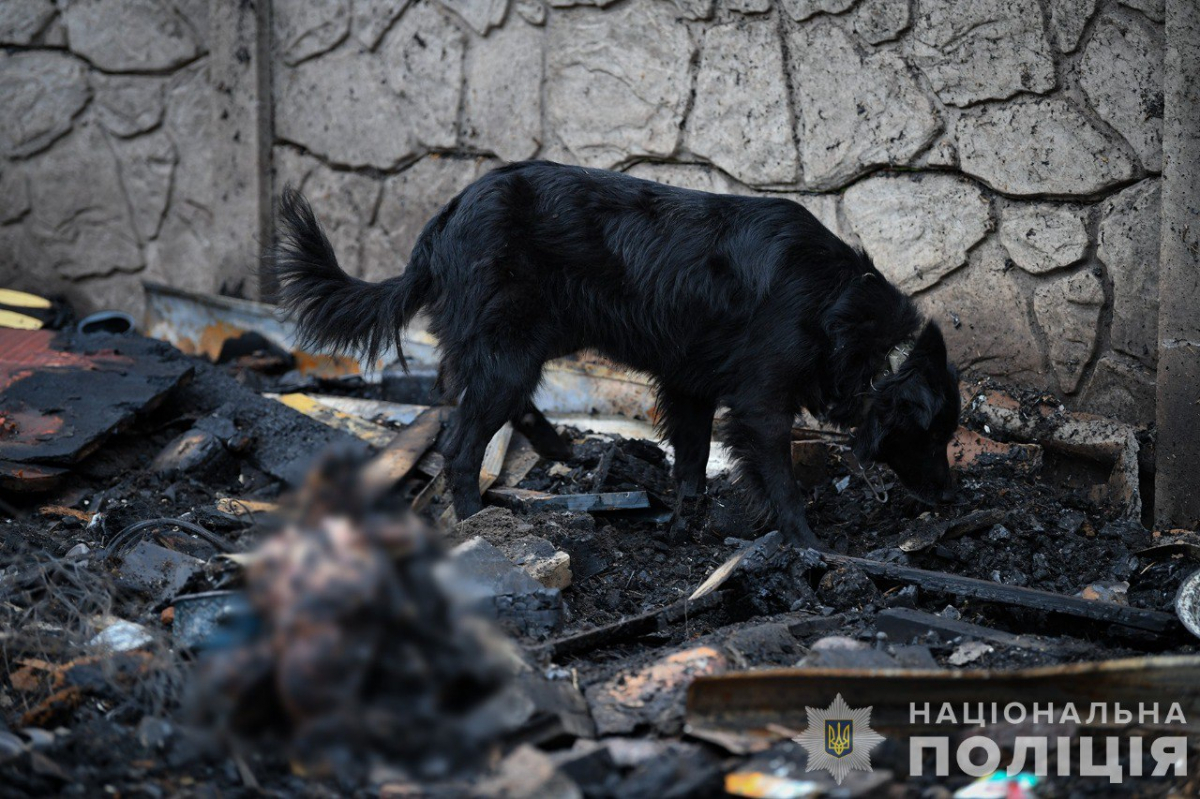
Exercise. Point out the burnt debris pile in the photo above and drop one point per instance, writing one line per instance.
(237, 574)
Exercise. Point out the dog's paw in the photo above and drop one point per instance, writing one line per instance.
(800, 535)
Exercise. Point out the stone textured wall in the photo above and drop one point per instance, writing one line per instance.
(999, 159)
(105, 112)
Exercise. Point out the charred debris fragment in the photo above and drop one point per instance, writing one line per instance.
(234, 569)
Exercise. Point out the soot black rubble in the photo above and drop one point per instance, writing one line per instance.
(75, 721)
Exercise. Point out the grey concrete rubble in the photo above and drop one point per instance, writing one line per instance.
(479, 575)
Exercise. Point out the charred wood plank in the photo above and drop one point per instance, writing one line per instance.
(518, 462)
(631, 628)
(400, 456)
(374, 434)
(431, 490)
(29, 476)
(930, 533)
(377, 411)
(1033, 598)
(493, 457)
(758, 699)
(902, 624)
(278, 440)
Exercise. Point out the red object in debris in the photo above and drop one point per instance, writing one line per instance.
(28, 476)
(24, 351)
(61, 395)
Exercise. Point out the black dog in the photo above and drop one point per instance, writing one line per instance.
(742, 301)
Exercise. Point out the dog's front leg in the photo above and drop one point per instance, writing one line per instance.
(763, 444)
(687, 423)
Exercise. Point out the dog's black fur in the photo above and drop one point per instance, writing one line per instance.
(746, 302)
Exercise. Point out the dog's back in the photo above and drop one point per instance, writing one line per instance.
(657, 277)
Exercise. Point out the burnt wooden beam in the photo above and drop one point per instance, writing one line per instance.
(926, 535)
(394, 463)
(903, 624)
(939, 582)
(761, 699)
(630, 628)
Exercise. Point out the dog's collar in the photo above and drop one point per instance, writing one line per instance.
(894, 359)
(892, 362)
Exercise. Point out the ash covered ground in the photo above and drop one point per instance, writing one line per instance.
(76, 722)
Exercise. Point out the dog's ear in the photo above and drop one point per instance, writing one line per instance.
(916, 399)
(914, 395)
(857, 324)
(930, 346)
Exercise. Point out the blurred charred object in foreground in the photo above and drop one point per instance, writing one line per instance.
(360, 661)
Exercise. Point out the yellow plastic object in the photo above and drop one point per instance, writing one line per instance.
(767, 786)
(374, 434)
(19, 321)
(19, 299)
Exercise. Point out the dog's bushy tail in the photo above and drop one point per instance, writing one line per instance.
(333, 310)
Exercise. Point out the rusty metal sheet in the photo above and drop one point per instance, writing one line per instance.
(199, 324)
(61, 395)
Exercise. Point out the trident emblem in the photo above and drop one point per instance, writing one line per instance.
(839, 737)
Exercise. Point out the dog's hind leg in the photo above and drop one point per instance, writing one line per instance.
(498, 388)
(546, 441)
(762, 443)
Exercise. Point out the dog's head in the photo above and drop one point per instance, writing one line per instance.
(913, 414)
